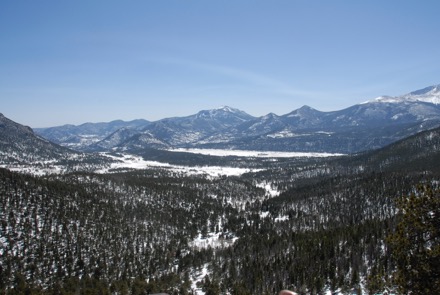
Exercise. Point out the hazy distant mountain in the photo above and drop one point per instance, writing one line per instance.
(191, 129)
(361, 127)
(86, 134)
(128, 139)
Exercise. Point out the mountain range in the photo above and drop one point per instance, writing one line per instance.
(369, 125)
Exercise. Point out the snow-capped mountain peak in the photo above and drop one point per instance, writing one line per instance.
(430, 90)
(233, 111)
(228, 109)
(429, 94)
(270, 116)
(386, 98)
(223, 112)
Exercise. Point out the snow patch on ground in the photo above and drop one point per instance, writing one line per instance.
(264, 214)
(283, 134)
(38, 167)
(213, 240)
(282, 218)
(270, 190)
(126, 161)
(33, 170)
(197, 278)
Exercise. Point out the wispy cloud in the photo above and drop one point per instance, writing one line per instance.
(246, 76)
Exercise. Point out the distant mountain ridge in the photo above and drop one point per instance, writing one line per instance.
(361, 127)
(77, 136)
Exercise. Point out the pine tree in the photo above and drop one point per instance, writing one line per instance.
(416, 243)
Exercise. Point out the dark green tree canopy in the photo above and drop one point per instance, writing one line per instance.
(416, 242)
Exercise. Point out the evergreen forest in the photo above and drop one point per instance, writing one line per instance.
(334, 225)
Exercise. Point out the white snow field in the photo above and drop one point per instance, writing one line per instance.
(126, 161)
(253, 154)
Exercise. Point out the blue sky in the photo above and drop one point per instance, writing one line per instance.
(71, 62)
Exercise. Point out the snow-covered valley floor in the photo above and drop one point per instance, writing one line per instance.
(254, 154)
(126, 161)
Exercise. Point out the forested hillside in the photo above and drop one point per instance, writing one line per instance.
(305, 224)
